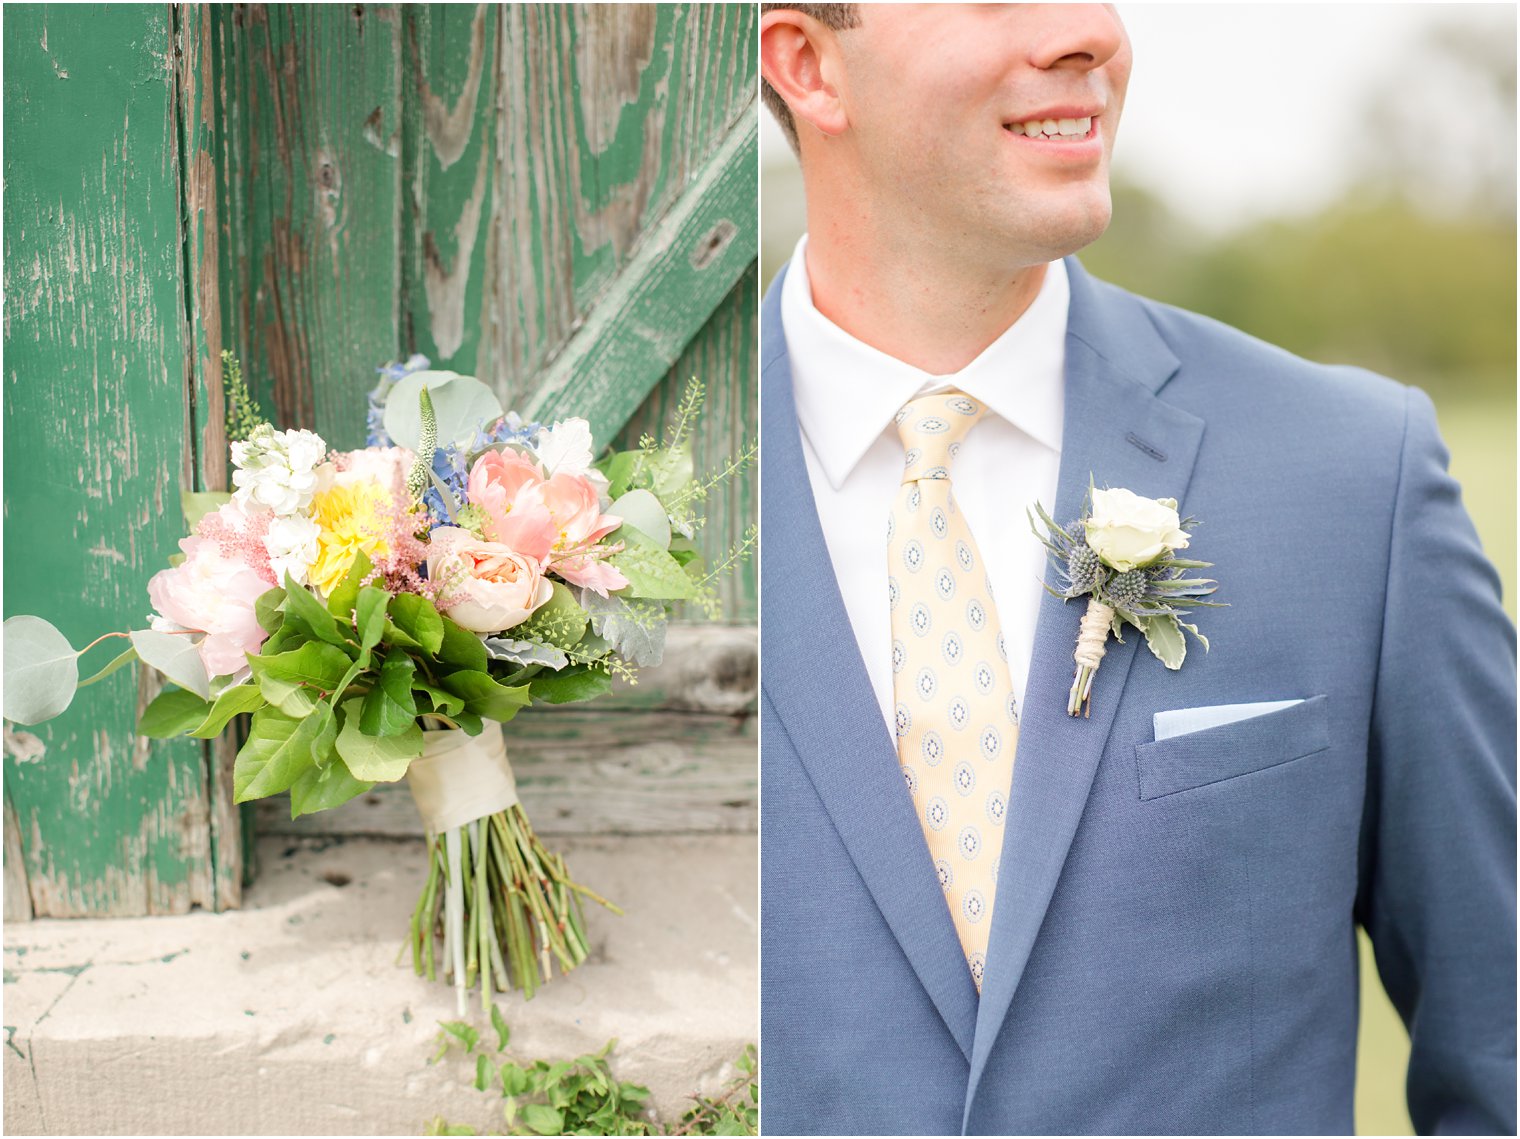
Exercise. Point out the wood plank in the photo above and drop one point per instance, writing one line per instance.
(724, 356)
(448, 145)
(18, 899)
(200, 193)
(608, 113)
(684, 267)
(96, 418)
(313, 161)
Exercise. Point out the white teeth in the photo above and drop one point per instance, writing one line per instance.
(1054, 128)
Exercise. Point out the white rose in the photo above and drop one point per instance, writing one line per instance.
(1127, 531)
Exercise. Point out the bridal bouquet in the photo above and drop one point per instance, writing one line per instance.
(381, 613)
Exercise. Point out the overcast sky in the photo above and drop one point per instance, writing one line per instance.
(1232, 108)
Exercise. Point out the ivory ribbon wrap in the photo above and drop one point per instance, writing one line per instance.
(1093, 637)
(460, 778)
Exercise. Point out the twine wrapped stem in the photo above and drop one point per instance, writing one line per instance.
(1092, 640)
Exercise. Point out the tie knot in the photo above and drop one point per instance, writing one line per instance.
(932, 428)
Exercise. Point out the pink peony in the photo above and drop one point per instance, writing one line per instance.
(486, 587)
(579, 525)
(212, 594)
(509, 489)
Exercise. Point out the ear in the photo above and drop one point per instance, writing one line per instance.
(799, 57)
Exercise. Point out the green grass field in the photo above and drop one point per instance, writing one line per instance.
(1481, 436)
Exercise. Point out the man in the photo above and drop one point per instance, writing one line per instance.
(1043, 923)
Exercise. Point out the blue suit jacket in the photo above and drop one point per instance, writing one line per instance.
(1173, 942)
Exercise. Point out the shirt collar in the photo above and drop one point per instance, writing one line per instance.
(847, 392)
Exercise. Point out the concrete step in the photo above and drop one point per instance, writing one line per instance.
(292, 1016)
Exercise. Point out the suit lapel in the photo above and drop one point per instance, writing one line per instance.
(1119, 433)
(817, 682)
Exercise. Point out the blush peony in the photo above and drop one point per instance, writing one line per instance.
(211, 594)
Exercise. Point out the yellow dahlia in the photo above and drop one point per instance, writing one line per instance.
(353, 517)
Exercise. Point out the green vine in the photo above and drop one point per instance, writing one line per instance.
(583, 1097)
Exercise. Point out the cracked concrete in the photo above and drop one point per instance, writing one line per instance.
(291, 1016)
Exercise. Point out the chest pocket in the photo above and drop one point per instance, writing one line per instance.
(1229, 751)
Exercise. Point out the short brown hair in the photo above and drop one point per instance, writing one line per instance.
(839, 17)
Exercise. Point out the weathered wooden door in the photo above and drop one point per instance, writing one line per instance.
(559, 199)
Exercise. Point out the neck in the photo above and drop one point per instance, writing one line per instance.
(934, 312)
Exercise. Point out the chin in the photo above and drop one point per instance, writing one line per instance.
(1061, 224)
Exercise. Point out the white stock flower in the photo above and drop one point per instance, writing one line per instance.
(292, 546)
(1127, 531)
(277, 470)
(565, 448)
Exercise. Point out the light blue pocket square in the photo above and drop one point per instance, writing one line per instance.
(1182, 721)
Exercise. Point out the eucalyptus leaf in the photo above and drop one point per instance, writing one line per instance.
(175, 655)
(649, 568)
(126, 657)
(560, 621)
(462, 405)
(644, 512)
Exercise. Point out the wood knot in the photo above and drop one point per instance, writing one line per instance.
(713, 243)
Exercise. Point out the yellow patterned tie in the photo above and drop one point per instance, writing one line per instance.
(957, 722)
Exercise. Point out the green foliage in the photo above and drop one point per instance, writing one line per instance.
(243, 413)
(584, 1097)
(560, 621)
(171, 713)
(576, 683)
(649, 568)
(1425, 297)
(484, 696)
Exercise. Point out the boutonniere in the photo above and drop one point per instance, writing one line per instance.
(1121, 556)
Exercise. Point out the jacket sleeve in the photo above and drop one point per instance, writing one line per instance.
(1436, 889)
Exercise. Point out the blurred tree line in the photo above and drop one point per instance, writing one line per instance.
(1411, 272)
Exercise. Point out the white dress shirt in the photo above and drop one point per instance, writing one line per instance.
(847, 393)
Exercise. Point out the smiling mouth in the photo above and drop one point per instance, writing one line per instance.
(1055, 130)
